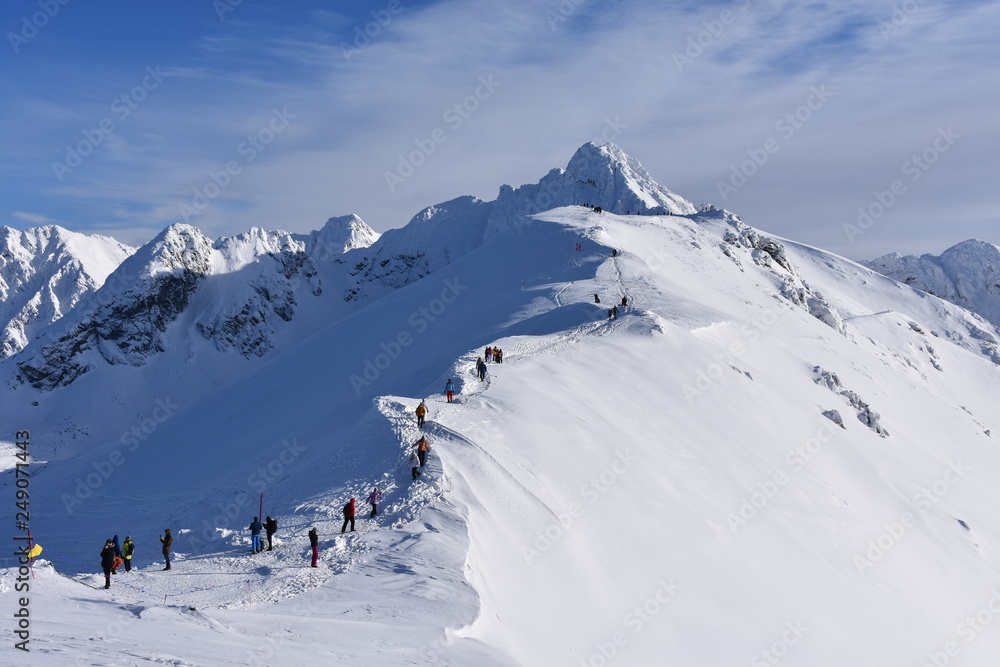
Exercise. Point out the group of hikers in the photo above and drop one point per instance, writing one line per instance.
(269, 526)
(613, 311)
(115, 555)
(494, 354)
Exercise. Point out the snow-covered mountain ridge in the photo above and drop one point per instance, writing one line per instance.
(257, 281)
(244, 289)
(44, 273)
(770, 442)
(967, 274)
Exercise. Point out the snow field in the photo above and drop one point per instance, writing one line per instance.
(659, 488)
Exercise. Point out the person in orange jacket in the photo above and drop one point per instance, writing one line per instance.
(422, 448)
(420, 412)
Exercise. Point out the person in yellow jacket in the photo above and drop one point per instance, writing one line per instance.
(128, 548)
(420, 412)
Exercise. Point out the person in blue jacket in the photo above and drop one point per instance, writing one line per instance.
(449, 389)
(255, 528)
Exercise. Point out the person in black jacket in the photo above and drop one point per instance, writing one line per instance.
(108, 561)
(167, 540)
(271, 526)
(118, 552)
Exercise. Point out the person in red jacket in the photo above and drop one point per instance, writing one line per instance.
(349, 511)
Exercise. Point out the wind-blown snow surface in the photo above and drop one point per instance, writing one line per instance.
(663, 488)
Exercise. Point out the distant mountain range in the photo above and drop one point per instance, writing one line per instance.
(967, 274)
(92, 302)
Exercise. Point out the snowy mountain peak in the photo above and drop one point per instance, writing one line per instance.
(339, 235)
(966, 274)
(177, 247)
(597, 176)
(244, 248)
(44, 273)
(620, 183)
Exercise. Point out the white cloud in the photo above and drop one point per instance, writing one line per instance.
(558, 88)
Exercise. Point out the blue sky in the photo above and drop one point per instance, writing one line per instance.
(125, 117)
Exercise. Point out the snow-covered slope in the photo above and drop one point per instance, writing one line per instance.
(237, 293)
(44, 273)
(967, 274)
(770, 450)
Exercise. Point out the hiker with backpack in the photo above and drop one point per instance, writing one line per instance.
(422, 446)
(349, 511)
(481, 369)
(420, 412)
(271, 526)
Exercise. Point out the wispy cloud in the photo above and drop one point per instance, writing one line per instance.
(33, 218)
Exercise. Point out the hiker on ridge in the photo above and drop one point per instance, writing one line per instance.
(420, 412)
